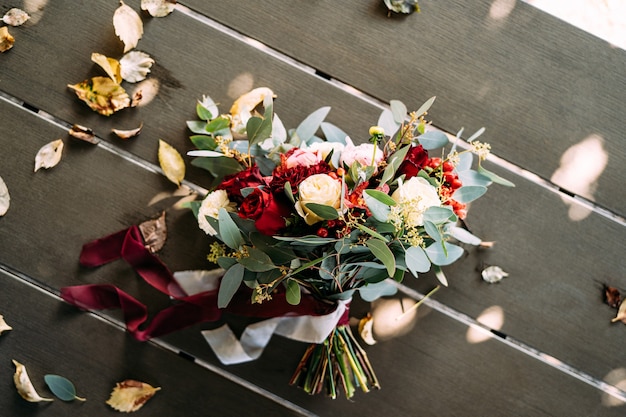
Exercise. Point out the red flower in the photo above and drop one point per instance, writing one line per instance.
(233, 183)
(415, 160)
(267, 210)
(295, 175)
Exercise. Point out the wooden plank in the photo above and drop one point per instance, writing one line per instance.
(539, 85)
(48, 337)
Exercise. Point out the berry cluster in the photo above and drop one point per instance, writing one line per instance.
(334, 228)
(450, 182)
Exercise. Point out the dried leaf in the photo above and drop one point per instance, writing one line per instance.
(621, 314)
(154, 233)
(365, 329)
(83, 133)
(171, 162)
(5, 198)
(49, 155)
(158, 8)
(612, 296)
(102, 94)
(110, 65)
(62, 388)
(6, 40)
(241, 110)
(128, 26)
(135, 66)
(130, 395)
(493, 274)
(3, 325)
(126, 134)
(24, 386)
(15, 17)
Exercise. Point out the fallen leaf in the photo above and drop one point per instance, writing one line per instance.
(5, 198)
(154, 233)
(49, 155)
(158, 8)
(110, 65)
(102, 94)
(621, 314)
(130, 395)
(62, 388)
(6, 40)
(612, 296)
(24, 386)
(365, 329)
(135, 66)
(128, 26)
(137, 98)
(493, 274)
(126, 134)
(241, 110)
(171, 162)
(83, 133)
(15, 17)
(3, 325)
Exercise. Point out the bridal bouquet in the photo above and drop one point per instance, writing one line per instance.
(308, 215)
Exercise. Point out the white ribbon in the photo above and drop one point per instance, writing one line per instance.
(254, 339)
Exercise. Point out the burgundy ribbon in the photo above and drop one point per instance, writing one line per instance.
(188, 310)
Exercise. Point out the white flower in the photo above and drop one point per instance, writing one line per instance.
(320, 189)
(211, 206)
(414, 197)
(323, 149)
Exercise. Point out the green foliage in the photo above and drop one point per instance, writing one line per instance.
(293, 292)
(229, 232)
(433, 139)
(323, 211)
(231, 281)
(382, 252)
(62, 387)
(469, 193)
(307, 128)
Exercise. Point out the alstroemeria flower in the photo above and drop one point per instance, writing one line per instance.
(320, 189)
(414, 197)
(211, 206)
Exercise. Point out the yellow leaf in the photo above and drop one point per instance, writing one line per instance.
(3, 324)
(102, 94)
(24, 386)
(158, 8)
(130, 395)
(241, 109)
(621, 313)
(6, 40)
(128, 26)
(171, 162)
(49, 155)
(110, 65)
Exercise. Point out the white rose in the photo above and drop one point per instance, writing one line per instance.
(211, 206)
(414, 197)
(320, 189)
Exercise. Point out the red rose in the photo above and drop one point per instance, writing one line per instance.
(415, 160)
(233, 183)
(267, 210)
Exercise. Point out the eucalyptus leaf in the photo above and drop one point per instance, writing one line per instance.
(379, 210)
(441, 276)
(202, 112)
(433, 231)
(469, 193)
(465, 161)
(426, 106)
(439, 214)
(387, 122)
(393, 164)
(203, 142)
(333, 134)
(289, 192)
(372, 233)
(433, 139)
(463, 235)
(443, 253)
(382, 252)
(257, 261)
(217, 124)
(196, 126)
(219, 167)
(62, 387)
(476, 134)
(398, 110)
(495, 177)
(471, 177)
(416, 260)
(380, 196)
(229, 285)
(229, 232)
(374, 291)
(293, 292)
(323, 211)
(307, 128)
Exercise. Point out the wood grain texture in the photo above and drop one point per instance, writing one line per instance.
(50, 337)
(537, 84)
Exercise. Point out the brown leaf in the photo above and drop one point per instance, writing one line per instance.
(3, 325)
(611, 296)
(111, 66)
(49, 155)
(128, 26)
(15, 17)
(5, 198)
(83, 133)
(24, 386)
(154, 233)
(102, 94)
(130, 395)
(171, 162)
(126, 134)
(158, 8)
(6, 40)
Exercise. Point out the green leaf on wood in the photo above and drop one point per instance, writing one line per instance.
(62, 387)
